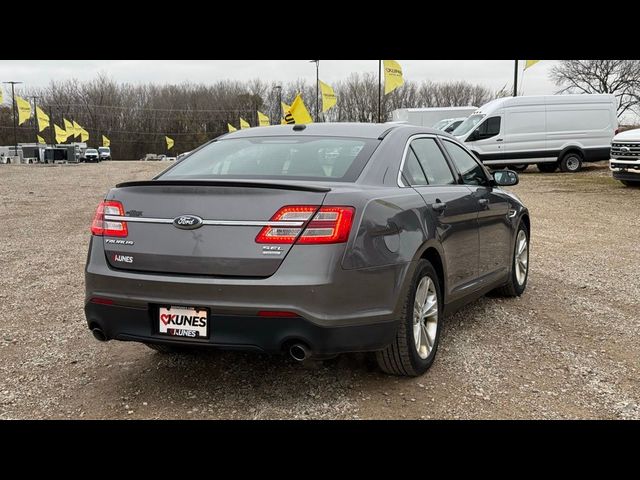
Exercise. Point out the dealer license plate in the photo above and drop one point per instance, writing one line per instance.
(183, 322)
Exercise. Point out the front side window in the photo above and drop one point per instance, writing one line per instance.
(489, 128)
(286, 157)
(471, 171)
(432, 161)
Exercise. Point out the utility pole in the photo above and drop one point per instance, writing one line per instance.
(515, 80)
(279, 88)
(317, 62)
(379, 91)
(35, 116)
(15, 118)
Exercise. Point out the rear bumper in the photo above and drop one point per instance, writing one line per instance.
(235, 332)
(339, 310)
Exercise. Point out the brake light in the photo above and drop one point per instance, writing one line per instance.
(109, 228)
(330, 224)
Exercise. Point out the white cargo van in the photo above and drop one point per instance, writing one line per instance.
(428, 117)
(550, 130)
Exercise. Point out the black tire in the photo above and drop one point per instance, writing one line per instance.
(401, 356)
(571, 163)
(513, 288)
(520, 167)
(547, 167)
(630, 183)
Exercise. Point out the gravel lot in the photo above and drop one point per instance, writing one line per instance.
(568, 348)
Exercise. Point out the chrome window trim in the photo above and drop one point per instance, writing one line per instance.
(227, 223)
(399, 181)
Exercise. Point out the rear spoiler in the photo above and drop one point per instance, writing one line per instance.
(224, 183)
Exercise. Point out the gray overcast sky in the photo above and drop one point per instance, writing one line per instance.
(491, 73)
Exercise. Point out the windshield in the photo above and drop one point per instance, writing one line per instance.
(441, 123)
(285, 158)
(103, 149)
(91, 150)
(466, 126)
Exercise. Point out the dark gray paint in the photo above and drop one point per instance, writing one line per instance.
(361, 282)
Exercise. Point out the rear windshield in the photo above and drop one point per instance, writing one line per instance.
(304, 158)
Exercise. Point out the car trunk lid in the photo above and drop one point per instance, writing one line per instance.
(233, 214)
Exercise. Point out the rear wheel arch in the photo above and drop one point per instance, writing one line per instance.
(433, 255)
(527, 222)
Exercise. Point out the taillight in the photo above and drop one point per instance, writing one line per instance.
(330, 224)
(109, 228)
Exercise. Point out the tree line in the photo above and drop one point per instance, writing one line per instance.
(137, 117)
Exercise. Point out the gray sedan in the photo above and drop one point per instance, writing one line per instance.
(307, 240)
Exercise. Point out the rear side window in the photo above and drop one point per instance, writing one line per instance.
(471, 171)
(432, 161)
(412, 171)
(286, 157)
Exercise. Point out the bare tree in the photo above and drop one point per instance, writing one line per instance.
(618, 77)
(137, 117)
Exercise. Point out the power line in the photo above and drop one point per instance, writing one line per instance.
(189, 110)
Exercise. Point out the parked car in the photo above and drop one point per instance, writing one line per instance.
(426, 117)
(308, 240)
(105, 153)
(449, 124)
(625, 157)
(91, 155)
(551, 131)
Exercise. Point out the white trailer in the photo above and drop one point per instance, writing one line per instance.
(428, 117)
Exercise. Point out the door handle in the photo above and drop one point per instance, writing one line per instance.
(484, 202)
(498, 139)
(439, 206)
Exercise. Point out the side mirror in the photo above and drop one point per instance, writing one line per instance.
(505, 178)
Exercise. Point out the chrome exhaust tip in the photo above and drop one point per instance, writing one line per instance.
(299, 352)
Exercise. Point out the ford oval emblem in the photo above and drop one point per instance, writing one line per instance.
(187, 222)
(625, 149)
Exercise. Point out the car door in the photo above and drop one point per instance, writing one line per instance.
(450, 206)
(487, 139)
(493, 213)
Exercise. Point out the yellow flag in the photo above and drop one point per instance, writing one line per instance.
(24, 110)
(69, 128)
(329, 98)
(530, 63)
(77, 129)
(61, 134)
(40, 139)
(298, 113)
(244, 124)
(285, 110)
(169, 142)
(1, 99)
(84, 135)
(392, 75)
(105, 141)
(231, 128)
(263, 120)
(43, 119)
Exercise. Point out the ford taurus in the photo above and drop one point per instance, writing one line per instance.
(308, 240)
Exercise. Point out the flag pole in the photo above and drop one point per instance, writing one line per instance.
(35, 117)
(515, 79)
(379, 89)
